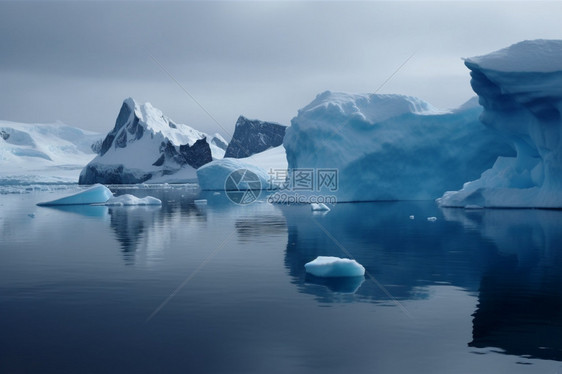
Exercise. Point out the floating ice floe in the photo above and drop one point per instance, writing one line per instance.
(328, 266)
(319, 207)
(200, 202)
(432, 219)
(129, 200)
(96, 194)
(412, 217)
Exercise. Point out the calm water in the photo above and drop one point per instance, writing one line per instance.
(221, 288)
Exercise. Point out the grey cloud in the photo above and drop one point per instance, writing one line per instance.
(76, 61)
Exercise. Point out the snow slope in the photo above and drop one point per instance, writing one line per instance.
(43, 153)
(146, 146)
(390, 147)
(520, 88)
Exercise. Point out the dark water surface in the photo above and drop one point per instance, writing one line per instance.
(221, 288)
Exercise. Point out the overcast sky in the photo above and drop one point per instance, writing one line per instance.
(76, 61)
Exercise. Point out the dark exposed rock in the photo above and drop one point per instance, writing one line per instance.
(4, 135)
(219, 143)
(253, 136)
(94, 173)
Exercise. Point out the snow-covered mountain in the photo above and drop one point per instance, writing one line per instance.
(218, 146)
(146, 146)
(389, 147)
(254, 136)
(44, 153)
(520, 88)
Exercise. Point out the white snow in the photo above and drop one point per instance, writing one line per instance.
(128, 200)
(319, 207)
(43, 153)
(538, 56)
(271, 159)
(390, 147)
(520, 88)
(218, 146)
(265, 165)
(94, 195)
(328, 266)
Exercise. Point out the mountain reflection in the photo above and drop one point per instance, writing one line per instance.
(134, 224)
(129, 224)
(265, 225)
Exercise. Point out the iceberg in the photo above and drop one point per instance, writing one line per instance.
(147, 147)
(129, 200)
(390, 147)
(265, 165)
(520, 88)
(328, 266)
(94, 195)
(215, 175)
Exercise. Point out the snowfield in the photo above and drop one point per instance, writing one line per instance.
(43, 153)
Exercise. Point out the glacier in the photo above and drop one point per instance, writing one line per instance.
(520, 88)
(146, 146)
(96, 194)
(390, 147)
(37, 153)
(332, 267)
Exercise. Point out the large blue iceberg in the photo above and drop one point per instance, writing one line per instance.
(520, 88)
(391, 147)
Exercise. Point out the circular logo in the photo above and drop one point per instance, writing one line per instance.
(242, 186)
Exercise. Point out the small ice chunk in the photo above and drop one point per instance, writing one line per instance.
(432, 219)
(328, 266)
(94, 195)
(412, 217)
(128, 200)
(200, 202)
(216, 193)
(319, 207)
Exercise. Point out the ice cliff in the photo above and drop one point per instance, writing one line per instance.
(390, 147)
(520, 88)
(146, 146)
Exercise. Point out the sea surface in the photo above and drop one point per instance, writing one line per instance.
(221, 288)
